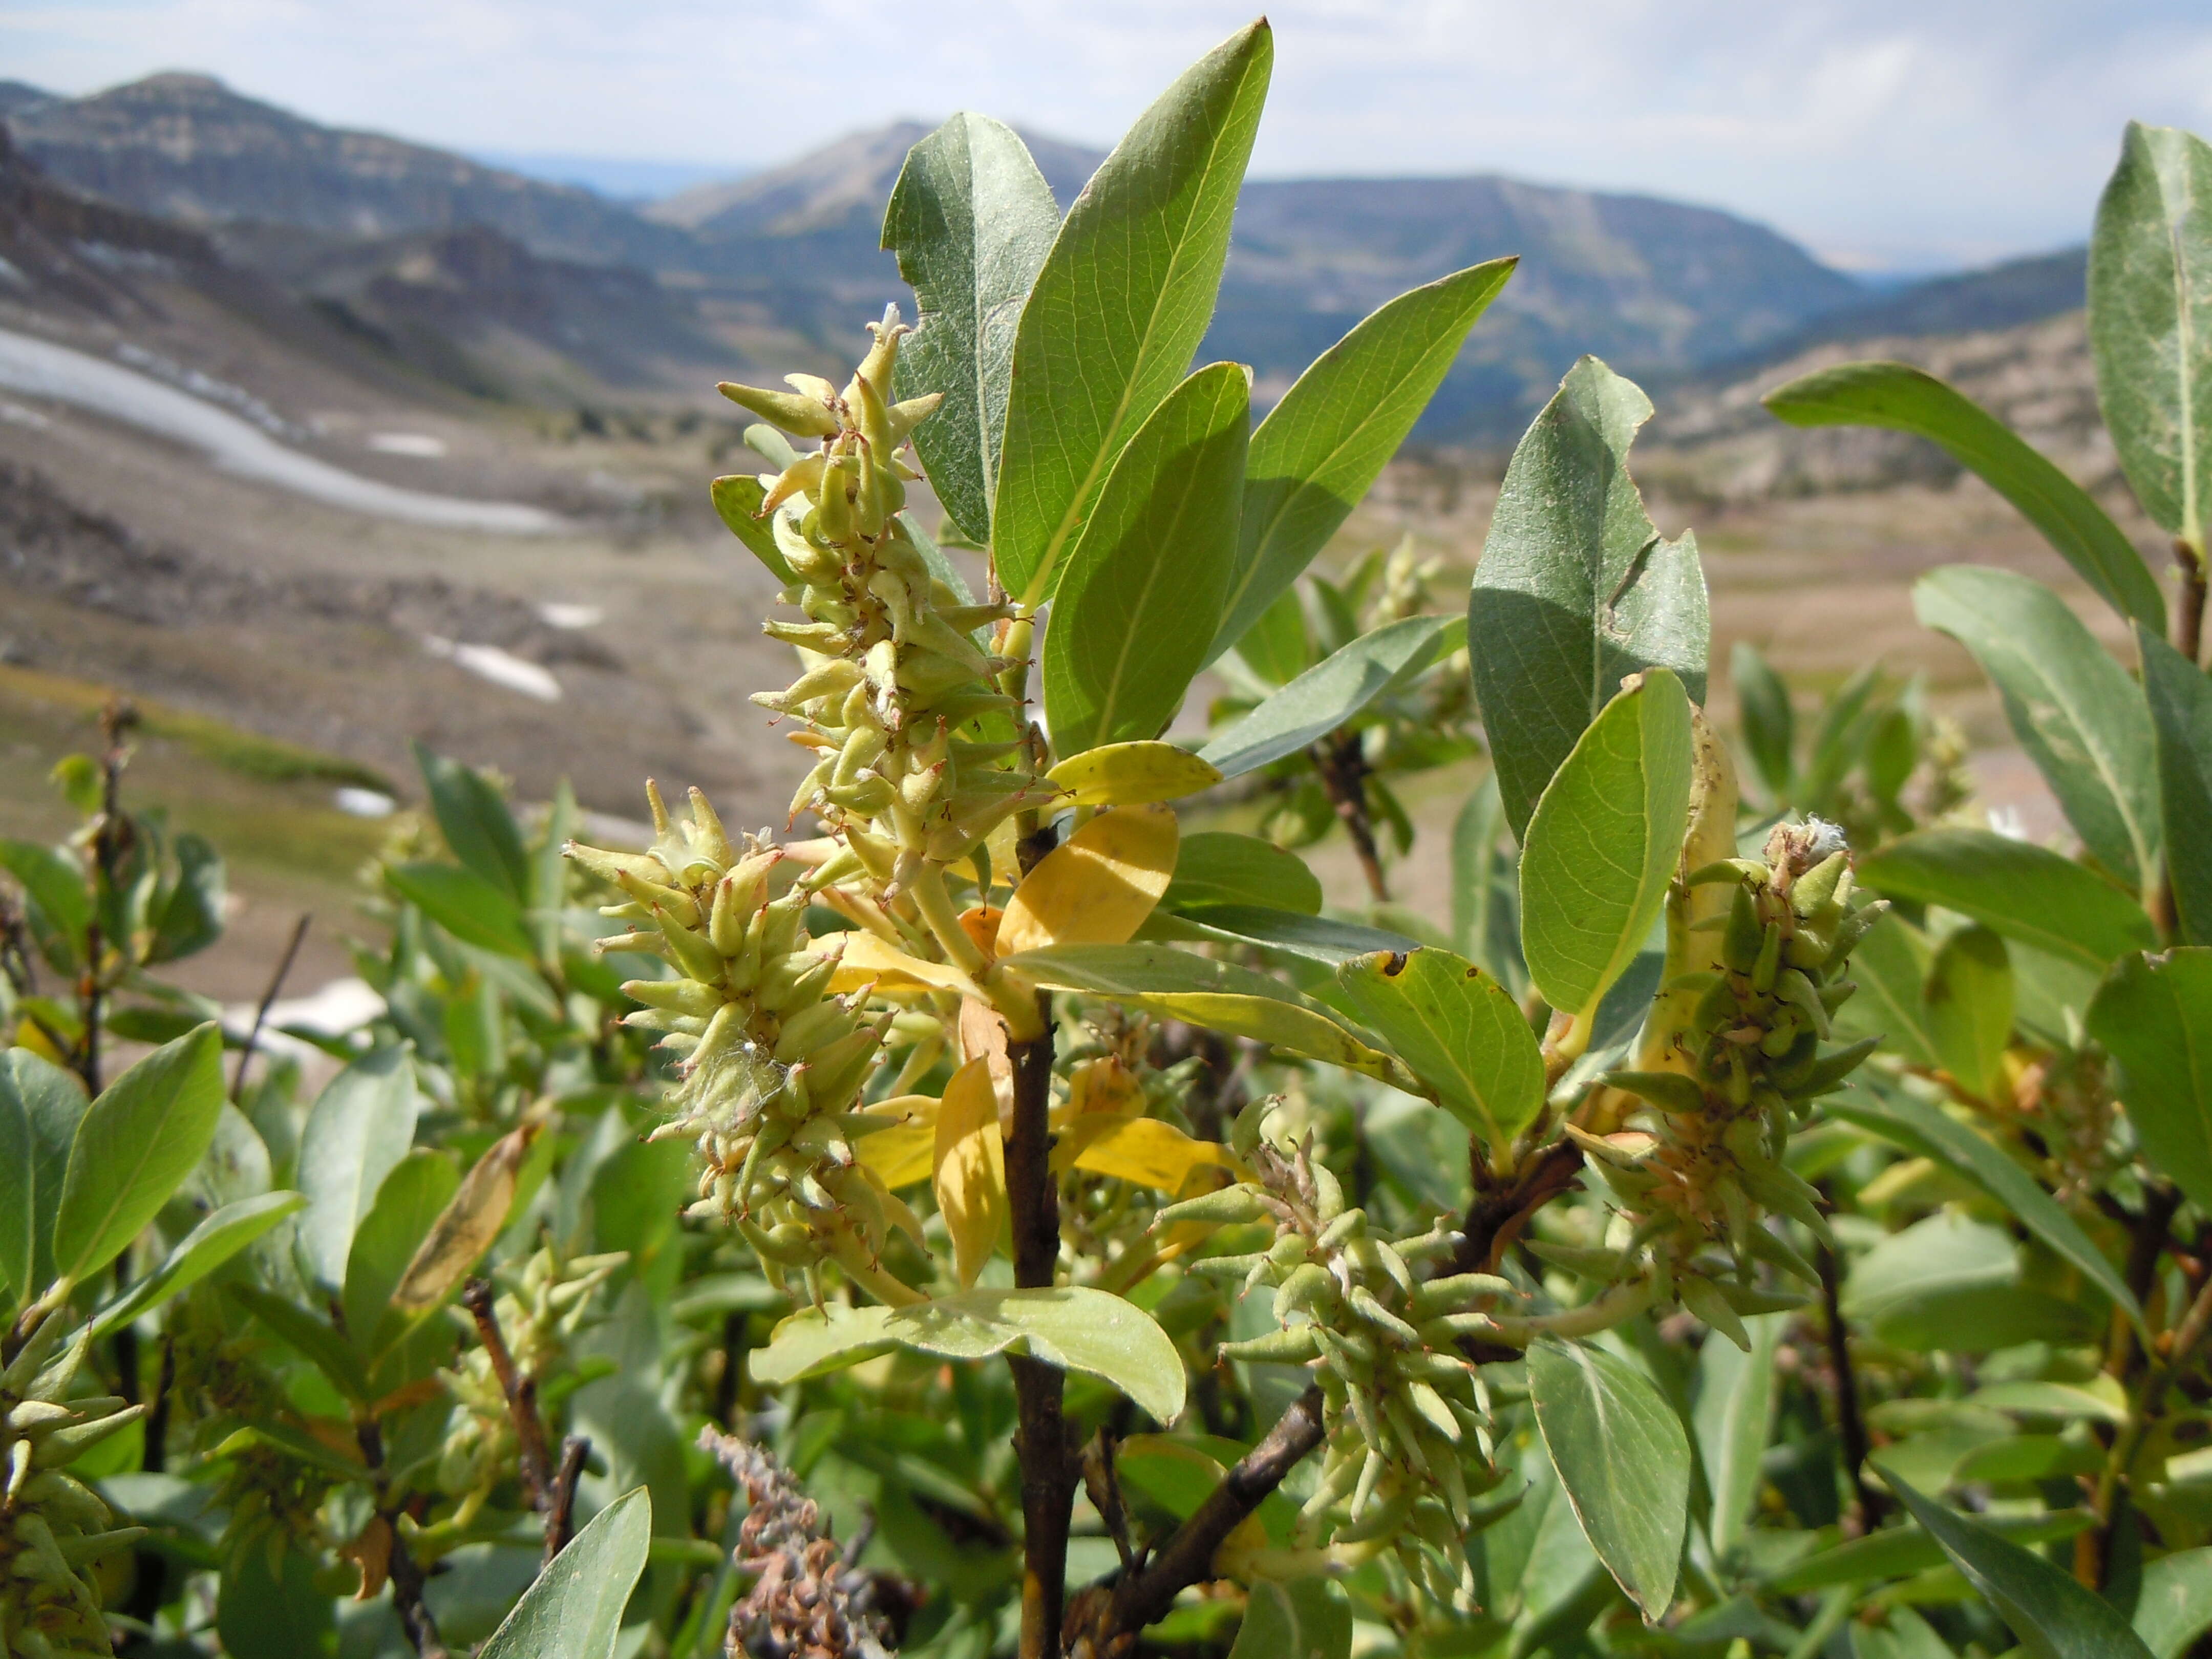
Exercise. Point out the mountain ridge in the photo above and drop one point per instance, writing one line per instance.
(1659, 287)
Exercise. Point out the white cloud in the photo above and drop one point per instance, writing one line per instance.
(1879, 130)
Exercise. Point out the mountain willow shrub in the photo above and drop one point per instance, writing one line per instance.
(1006, 1210)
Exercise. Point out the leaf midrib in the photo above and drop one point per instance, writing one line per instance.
(1180, 242)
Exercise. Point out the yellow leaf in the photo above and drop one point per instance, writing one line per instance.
(869, 961)
(28, 1036)
(983, 1032)
(1099, 887)
(465, 1230)
(1133, 775)
(1004, 843)
(1104, 1085)
(970, 1169)
(902, 1156)
(1144, 1150)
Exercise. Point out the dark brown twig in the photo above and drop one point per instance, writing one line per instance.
(1851, 1422)
(1498, 1214)
(2189, 612)
(521, 1394)
(561, 1516)
(1109, 1623)
(1104, 1486)
(268, 1001)
(1343, 767)
(416, 1618)
(1048, 1467)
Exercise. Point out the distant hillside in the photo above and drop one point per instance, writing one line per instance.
(1645, 283)
(481, 312)
(380, 234)
(187, 147)
(2001, 297)
(1714, 440)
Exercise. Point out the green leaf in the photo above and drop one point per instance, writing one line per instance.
(1278, 646)
(56, 888)
(1215, 866)
(1325, 443)
(1219, 996)
(1331, 692)
(1072, 1326)
(1904, 399)
(1902, 1634)
(1770, 721)
(1576, 589)
(1461, 1034)
(1623, 1458)
(2027, 893)
(202, 1251)
(1303, 1619)
(2051, 1612)
(1314, 939)
(317, 1340)
(2077, 712)
(971, 220)
(573, 1609)
(2154, 1015)
(1121, 304)
(1604, 843)
(409, 1201)
(476, 824)
(40, 1107)
(2174, 1606)
(737, 500)
(1969, 1002)
(1928, 1132)
(190, 917)
(2180, 697)
(2150, 323)
(135, 1146)
(1949, 1284)
(265, 1612)
(359, 1128)
(2064, 1400)
(465, 904)
(1474, 871)
(1734, 1417)
(1890, 968)
(1900, 1551)
(1143, 585)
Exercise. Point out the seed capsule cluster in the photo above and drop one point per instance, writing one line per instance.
(545, 1305)
(1750, 1061)
(892, 672)
(52, 1526)
(772, 1065)
(1408, 1447)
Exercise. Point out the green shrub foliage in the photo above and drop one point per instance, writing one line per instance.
(1728, 1199)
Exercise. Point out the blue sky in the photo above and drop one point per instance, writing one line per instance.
(1884, 134)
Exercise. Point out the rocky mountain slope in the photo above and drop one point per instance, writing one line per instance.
(1649, 283)
(187, 147)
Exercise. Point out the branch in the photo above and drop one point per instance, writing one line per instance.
(1048, 1468)
(521, 1394)
(1851, 1422)
(560, 1515)
(2189, 611)
(1497, 1216)
(1143, 1598)
(416, 1618)
(268, 1001)
(1343, 770)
